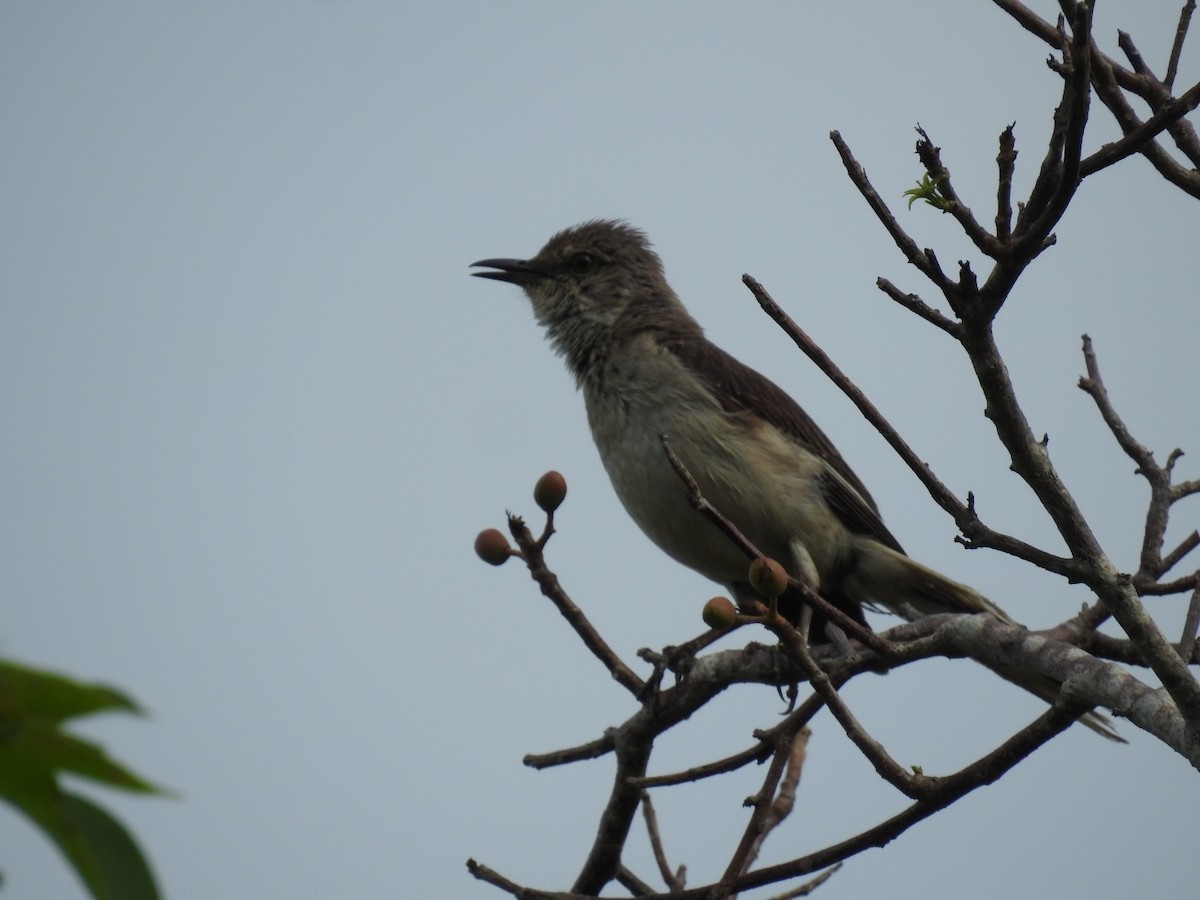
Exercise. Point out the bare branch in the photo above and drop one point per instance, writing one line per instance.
(1093, 385)
(915, 304)
(809, 886)
(1031, 22)
(1186, 489)
(634, 741)
(1155, 93)
(631, 882)
(941, 494)
(1135, 140)
(1107, 84)
(1191, 626)
(1059, 175)
(766, 744)
(1032, 463)
(591, 750)
(547, 581)
(675, 881)
(1123, 651)
(1162, 495)
(1164, 588)
(1185, 18)
(922, 259)
(757, 827)
(976, 534)
(793, 753)
(891, 771)
(991, 767)
(1006, 163)
(494, 878)
(1125, 42)
(1186, 546)
(931, 159)
(1110, 80)
(754, 754)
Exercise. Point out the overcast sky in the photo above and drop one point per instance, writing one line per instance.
(255, 411)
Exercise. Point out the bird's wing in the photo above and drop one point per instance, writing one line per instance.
(740, 389)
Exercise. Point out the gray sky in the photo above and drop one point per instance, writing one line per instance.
(255, 412)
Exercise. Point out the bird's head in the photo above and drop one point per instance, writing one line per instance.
(593, 286)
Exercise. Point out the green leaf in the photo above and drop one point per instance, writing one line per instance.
(34, 751)
(43, 745)
(103, 854)
(35, 692)
(115, 866)
(928, 189)
(32, 706)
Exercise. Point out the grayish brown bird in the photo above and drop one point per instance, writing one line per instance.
(645, 369)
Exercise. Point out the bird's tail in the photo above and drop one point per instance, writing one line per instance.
(909, 589)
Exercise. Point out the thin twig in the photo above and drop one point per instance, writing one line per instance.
(941, 494)
(1031, 461)
(1125, 42)
(741, 759)
(1156, 94)
(1175, 586)
(985, 771)
(494, 878)
(631, 882)
(1191, 625)
(931, 159)
(1185, 18)
(1152, 564)
(1006, 163)
(922, 259)
(1186, 489)
(1136, 139)
(591, 750)
(784, 802)
(809, 886)
(915, 304)
(1108, 89)
(755, 827)
(767, 742)
(1093, 385)
(547, 581)
(1172, 559)
(975, 533)
(910, 785)
(1124, 651)
(675, 881)
(1059, 177)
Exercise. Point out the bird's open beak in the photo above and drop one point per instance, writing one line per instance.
(514, 271)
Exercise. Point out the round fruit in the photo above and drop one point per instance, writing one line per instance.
(550, 491)
(768, 577)
(719, 613)
(492, 547)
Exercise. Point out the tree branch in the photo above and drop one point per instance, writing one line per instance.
(547, 581)
(924, 260)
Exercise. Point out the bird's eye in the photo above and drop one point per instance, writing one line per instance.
(581, 263)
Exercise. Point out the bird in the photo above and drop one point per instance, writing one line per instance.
(646, 369)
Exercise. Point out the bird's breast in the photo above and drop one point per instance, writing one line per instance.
(765, 483)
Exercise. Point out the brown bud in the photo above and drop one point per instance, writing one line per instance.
(719, 613)
(768, 577)
(492, 547)
(550, 491)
